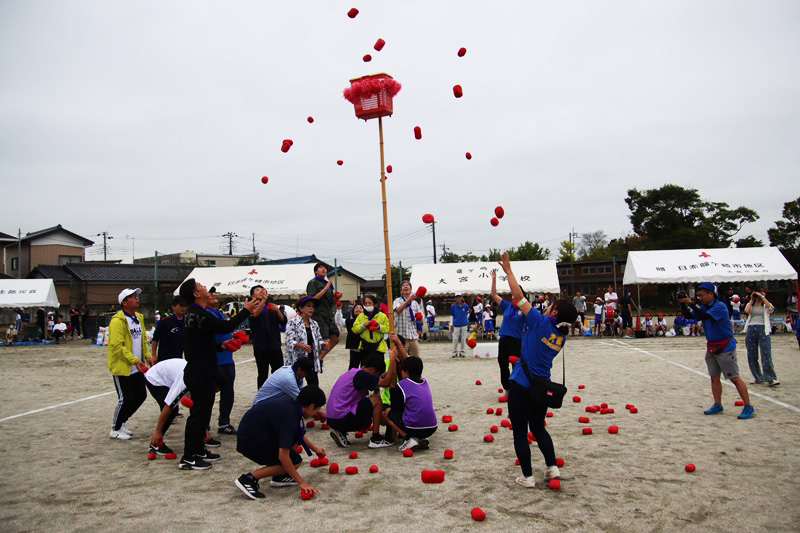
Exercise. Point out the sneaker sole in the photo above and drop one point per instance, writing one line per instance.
(338, 440)
(244, 489)
(376, 445)
(211, 458)
(279, 484)
(121, 436)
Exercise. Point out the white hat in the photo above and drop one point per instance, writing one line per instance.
(128, 292)
(458, 294)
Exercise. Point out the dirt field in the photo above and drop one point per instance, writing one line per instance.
(62, 472)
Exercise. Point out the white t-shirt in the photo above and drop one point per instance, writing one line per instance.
(598, 309)
(662, 322)
(168, 373)
(431, 310)
(136, 334)
(478, 308)
(60, 327)
(487, 315)
(648, 322)
(611, 296)
(736, 306)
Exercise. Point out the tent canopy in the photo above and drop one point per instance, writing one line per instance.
(28, 293)
(279, 280)
(446, 279)
(716, 265)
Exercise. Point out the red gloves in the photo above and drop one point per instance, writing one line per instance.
(373, 325)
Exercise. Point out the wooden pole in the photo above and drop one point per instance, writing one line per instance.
(389, 298)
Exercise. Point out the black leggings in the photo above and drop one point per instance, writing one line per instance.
(355, 359)
(159, 394)
(226, 375)
(267, 360)
(202, 392)
(132, 394)
(507, 347)
(523, 414)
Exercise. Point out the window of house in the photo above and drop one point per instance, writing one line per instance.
(67, 259)
(604, 269)
(589, 270)
(567, 271)
(14, 263)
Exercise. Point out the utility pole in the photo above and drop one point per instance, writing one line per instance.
(155, 275)
(230, 235)
(19, 253)
(433, 228)
(105, 236)
(254, 248)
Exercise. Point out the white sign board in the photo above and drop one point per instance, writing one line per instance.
(279, 280)
(473, 278)
(28, 293)
(715, 265)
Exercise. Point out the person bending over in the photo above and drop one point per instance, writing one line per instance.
(412, 414)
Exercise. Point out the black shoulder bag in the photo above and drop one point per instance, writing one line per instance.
(544, 391)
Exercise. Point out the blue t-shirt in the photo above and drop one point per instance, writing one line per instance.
(540, 345)
(680, 321)
(282, 382)
(460, 314)
(223, 358)
(513, 320)
(718, 327)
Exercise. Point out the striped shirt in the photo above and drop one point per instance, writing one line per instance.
(404, 322)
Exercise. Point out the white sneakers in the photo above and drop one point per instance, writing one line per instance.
(527, 482)
(409, 443)
(119, 435)
(122, 434)
(552, 473)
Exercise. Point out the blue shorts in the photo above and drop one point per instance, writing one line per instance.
(419, 326)
(737, 315)
(488, 325)
(430, 321)
(598, 318)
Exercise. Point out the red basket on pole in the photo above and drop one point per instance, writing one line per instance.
(372, 95)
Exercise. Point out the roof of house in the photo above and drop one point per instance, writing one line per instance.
(308, 259)
(111, 273)
(7, 237)
(55, 229)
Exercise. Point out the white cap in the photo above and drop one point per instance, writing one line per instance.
(458, 294)
(128, 292)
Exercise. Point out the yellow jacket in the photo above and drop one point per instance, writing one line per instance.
(120, 344)
(359, 328)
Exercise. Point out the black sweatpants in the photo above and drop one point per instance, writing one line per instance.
(507, 347)
(226, 375)
(132, 394)
(159, 394)
(356, 357)
(202, 392)
(267, 360)
(523, 414)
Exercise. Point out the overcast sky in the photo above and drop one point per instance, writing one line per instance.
(157, 120)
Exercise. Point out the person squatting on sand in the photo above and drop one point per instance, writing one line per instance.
(720, 345)
(268, 433)
(200, 375)
(543, 339)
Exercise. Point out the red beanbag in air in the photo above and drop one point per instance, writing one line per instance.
(458, 92)
(421, 292)
(417, 132)
(352, 13)
(379, 44)
(462, 52)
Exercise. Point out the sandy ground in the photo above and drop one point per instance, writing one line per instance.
(62, 472)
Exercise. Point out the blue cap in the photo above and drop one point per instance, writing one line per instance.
(707, 285)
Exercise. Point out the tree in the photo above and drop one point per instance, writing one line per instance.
(566, 253)
(749, 242)
(527, 251)
(786, 233)
(591, 242)
(673, 218)
(618, 248)
(451, 257)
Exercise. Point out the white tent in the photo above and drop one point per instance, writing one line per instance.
(717, 265)
(446, 279)
(28, 293)
(279, 280)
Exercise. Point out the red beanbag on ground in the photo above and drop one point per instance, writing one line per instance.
(373, 469)
(353, 455)
(690, 467)
(488, 438)
(503, 399)
(478, 515)
(306, 494)
(351, 470)
(554, 484)
(559, 462)
(587, 431)
(408, 452)
(333, 469)
(432, 476)
(494, 429)
(583, 419)
(490, 411)
(452, 428)
(446, 419)
(613, 429)
(448, 454)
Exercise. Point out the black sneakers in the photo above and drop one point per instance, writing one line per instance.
(195, 464)
(208, 456)
(282, 481)
(213, 443)
(249, 485)
(340, 438)
(227, 429)
(160, 450)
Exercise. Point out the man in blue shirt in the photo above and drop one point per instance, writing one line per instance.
(459, 319)
(286, 381)
(226, 371)
(720, 345)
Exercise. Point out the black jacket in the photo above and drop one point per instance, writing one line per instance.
(199, 345)
(265, 330)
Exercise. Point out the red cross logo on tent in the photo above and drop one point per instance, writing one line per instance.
(252, 272)
(703, 255)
